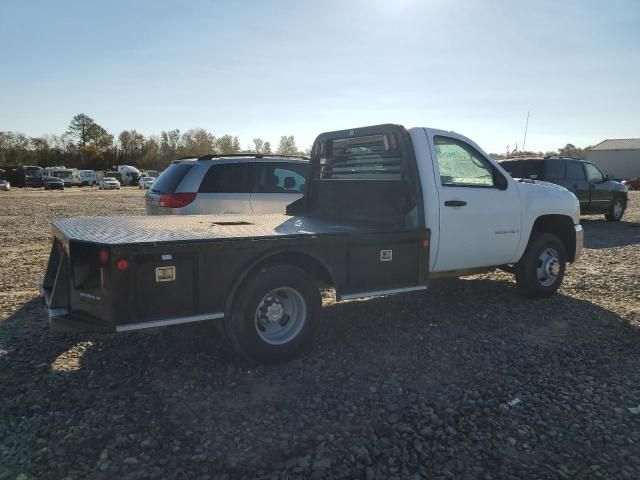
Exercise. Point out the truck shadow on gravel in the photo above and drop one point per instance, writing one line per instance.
(602, 234)
(383, 374)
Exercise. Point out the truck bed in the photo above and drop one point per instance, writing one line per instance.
(155, 230)
(126, 273)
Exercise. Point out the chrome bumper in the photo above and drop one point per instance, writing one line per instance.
(579, 241)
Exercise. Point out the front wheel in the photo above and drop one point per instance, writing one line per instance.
(275, 315)
(540, 271)
(616, 211)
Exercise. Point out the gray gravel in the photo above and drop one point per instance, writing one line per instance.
(466, 381)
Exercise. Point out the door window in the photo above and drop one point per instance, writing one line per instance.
(594, 173)
(575, 171)
(280, 177)
(461, 165)
(226, 178)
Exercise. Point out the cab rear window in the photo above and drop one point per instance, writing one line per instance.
(170, 179)
(370, 157)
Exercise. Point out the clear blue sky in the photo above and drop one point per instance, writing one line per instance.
(278, 67)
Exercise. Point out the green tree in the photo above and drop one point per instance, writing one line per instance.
(570, 150)
(80, 128)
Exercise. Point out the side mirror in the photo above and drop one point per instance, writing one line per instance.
(607, 177)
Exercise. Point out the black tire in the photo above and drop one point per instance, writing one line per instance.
(526, 271)
(242, 326)
(616, 211)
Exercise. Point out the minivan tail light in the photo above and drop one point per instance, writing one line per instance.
(177, 200)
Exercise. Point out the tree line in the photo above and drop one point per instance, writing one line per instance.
(87, 145)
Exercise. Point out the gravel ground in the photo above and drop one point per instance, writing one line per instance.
(466, 381)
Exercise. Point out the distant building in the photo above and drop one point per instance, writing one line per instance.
(618, 157)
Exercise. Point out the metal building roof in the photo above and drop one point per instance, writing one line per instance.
(618, 144)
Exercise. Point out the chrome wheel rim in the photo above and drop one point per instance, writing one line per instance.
(617, 209)
(548, 267)
(280, 316)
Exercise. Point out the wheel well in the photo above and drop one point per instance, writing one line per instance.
(622, 197)
(560, 226)
(304, 261)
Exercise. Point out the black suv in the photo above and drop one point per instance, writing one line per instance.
(596, 191)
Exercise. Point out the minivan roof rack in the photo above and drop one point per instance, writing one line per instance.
(211, 156)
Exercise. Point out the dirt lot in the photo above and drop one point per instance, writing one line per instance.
(415, 386)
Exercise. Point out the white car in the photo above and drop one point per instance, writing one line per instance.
(5, 185)
(218, 184)
(146, 182)
(109, 183)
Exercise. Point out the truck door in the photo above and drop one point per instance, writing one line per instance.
(601, 194)
(480, 210)
(578, 184)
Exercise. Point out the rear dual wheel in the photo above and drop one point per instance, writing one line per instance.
(275, 314)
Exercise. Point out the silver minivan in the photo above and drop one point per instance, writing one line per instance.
(241, 184)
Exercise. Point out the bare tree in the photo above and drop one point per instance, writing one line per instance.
(228, 144)
(287, 145)
(258, 145)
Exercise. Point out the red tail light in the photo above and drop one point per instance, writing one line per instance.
(177, 200)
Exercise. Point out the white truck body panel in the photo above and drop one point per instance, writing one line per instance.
(494, 226)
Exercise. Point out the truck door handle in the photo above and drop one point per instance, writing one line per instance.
(455, 203)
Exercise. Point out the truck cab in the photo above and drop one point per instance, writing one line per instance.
(477, 214)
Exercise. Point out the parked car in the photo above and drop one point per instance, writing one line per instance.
(386, 210)
(632, 183)
(5, 185)
(595, 191)
(220, 184)
(52, 183)
(146, 182)
(108, 183)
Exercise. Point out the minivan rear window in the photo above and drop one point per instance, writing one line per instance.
(524, 168)
(170, 179)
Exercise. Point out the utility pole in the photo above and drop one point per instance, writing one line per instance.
(526, 127)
